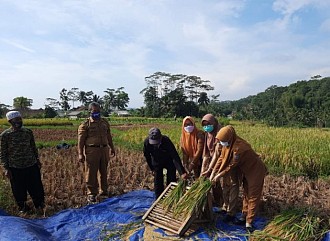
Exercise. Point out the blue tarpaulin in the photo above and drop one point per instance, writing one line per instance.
(116, 218)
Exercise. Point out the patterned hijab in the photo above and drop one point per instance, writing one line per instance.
(188, 141)
(210, 137)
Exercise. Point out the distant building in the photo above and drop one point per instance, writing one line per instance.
(121, 113)
(74, 114)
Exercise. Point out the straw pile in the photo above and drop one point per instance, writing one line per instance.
(171, 200)
(293, 225)
(195, 198)
(184, 202)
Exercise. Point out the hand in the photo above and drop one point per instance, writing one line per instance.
(216, 179)
(81, 158)
(112, 152)
(206, 173)
(8, 174)
(184, 176)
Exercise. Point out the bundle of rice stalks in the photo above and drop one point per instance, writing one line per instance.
(293, 225)
(171, 200)
(195, 198)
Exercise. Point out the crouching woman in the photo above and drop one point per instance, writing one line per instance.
(236, 152)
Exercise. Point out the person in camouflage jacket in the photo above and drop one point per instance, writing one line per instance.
(19, 158)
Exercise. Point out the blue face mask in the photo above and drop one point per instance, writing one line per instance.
(208, 128)
(96, 115)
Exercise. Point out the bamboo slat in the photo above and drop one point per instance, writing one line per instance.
(165, 219)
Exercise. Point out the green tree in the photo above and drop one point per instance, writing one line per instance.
(164, 90)
(203, 99)
(98, 99)
(73, 95)
(64, 103)
(152, 102)
(85, 97)
(53, 103)
(109, 99)
(22, 103)
(121, 99)
(3, 110)
(49, 112)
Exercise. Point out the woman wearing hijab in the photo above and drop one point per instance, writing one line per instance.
(192, 144)
(211, 127)
(236, 152)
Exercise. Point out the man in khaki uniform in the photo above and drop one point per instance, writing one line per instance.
(94, 141)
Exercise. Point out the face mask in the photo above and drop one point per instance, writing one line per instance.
(208, 128)
(96, 115)
(189, 129)
(17, 124)
(224, 143)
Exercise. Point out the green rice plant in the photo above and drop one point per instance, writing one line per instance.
(47, 122)
(195, 198)
(293, 225)
(171, 200)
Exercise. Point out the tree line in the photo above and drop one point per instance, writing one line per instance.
(304, 103)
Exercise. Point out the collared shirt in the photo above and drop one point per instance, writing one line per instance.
(164, 154)
(95, 132)
(18, 148)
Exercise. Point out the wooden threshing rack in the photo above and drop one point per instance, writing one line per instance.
(158, 216)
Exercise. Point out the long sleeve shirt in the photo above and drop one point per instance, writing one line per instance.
(162, 155)
(18, 148)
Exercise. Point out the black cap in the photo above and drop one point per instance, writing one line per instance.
(154, 136)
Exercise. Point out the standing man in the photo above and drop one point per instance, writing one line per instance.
(19, 157)
(94, 140)
(160, 153)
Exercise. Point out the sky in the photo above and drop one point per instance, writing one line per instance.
(241, 46)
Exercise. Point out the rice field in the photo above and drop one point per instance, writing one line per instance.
(298, 160)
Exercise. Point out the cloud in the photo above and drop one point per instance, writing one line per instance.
(95, 45)
(17, 45)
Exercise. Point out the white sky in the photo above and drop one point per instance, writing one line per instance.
(241, 46)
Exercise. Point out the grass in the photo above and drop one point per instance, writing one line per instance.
(6, 197)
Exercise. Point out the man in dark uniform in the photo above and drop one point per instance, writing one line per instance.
(19, 157)
(160, 153)
(94, 140)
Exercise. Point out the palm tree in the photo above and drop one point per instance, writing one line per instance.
(203, 101)
(97, 98)
(85, 97)
(109, 99)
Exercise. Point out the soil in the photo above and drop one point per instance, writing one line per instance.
(284, 192)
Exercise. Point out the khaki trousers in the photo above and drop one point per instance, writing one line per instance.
(230, 188)
(96, 165)
(251, 198)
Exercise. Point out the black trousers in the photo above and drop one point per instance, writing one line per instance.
(159, 178)
(27, 180)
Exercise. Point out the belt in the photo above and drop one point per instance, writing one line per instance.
(92, 145)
